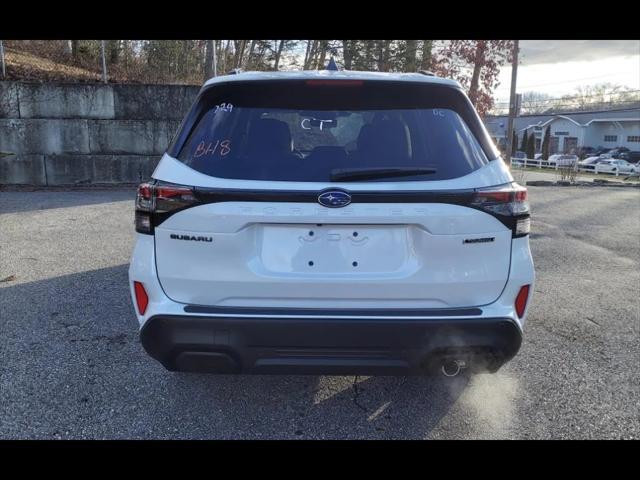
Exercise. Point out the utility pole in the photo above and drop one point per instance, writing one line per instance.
(512, 101)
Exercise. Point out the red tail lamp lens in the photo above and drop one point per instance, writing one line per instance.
(170, 192)
(521, 195)
(504, 196)
(521, 300)
(498, 197)
(141, 297)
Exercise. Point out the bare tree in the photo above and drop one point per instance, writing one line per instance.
(324, 44)
(347, 54)
(535, 102)
(307, 54)
(114, 47)
(249, 60)
(383, 48)
(411, 48)
(239, 46)
(308, 64)
(427, 56)
(478, 63)
(208, 60)
(278, 54)
(225, 55)
(75, 49)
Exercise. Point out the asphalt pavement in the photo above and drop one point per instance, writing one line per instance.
(71, 365)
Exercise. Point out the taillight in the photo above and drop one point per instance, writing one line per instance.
(142, 300)
(155, 201)
(521, 300)
(144, 208)
(510, 204)
(172, 197)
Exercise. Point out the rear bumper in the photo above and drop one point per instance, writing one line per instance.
(339, 346)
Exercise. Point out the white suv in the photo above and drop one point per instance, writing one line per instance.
(614, 165)
(331, 222)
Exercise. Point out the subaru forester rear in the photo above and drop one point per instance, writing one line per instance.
(331, 223)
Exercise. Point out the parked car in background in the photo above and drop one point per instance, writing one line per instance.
(519, 154)
(537, 156)
(631, 157)
(585, 152)
(616, 152)
(614, 165)
(553, 158)
(590, 162)
(601, 150)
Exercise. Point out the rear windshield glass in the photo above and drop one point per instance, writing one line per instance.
(301, 131)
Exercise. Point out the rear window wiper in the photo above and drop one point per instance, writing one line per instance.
(347, 174)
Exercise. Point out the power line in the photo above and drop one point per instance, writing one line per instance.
(526, 105)
(576, 102)
(619, 92)
(577, 79)
(578, 106)
(574, 112)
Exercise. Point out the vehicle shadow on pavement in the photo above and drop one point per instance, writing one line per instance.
(86, 375)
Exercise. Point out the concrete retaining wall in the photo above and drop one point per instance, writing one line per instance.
(64, 134)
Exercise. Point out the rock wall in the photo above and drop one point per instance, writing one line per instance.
(66, 134)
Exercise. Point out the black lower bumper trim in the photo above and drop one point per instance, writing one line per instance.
(327, 346)
(373, 312)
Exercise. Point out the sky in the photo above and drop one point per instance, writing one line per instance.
(557, 67)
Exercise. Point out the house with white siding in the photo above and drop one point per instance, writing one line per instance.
(571, 131)
(614, 132)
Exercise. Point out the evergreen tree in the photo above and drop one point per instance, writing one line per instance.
(531, 146)
(523, 144)
(545, 143)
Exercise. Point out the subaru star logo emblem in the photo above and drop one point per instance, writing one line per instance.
(334, 199)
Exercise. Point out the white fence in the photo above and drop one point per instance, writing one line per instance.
(531, 163)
